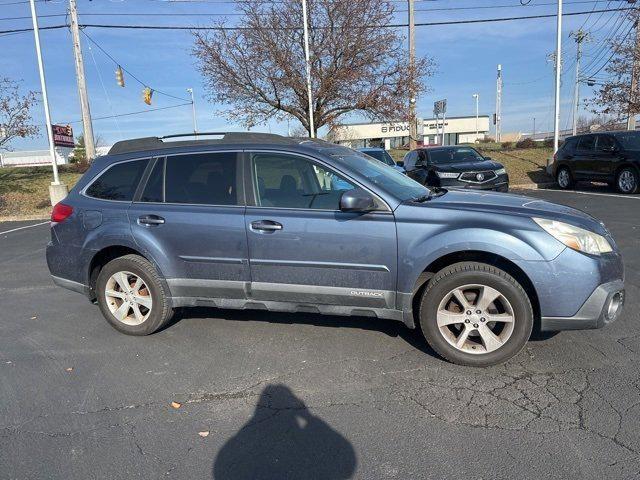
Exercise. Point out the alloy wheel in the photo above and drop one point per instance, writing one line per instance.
(475, 319)
(627, 181)
(128, 298)
(563, 178)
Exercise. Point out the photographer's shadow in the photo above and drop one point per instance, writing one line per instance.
(285, 440)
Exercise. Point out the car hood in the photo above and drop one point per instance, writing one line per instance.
(468, 166)
(509, 204)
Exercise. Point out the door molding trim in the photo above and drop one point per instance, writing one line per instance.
(311, 264)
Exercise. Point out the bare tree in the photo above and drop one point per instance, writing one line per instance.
(15, 112)
(357, 64)
(614, 97)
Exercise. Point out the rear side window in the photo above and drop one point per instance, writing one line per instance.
(570, 144)
(118, 182)
(587, 143)
(203, 178)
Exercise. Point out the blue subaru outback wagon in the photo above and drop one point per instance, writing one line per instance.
(267, 222)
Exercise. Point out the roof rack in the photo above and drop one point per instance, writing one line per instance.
(155, 143)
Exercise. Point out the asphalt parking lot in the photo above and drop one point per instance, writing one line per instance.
(306, 396)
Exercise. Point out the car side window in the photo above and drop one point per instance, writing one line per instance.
(118, 182)
(422, 158)
(570, 144)
(154, 188)
(201, 179)
(288, 181)
(587, 143)
(605, 143)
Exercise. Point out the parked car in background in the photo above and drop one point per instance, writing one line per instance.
(612, 157)
(382, 155)
(257, 221)
(456, 166)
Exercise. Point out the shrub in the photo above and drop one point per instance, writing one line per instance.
(548, 142)
(486, 140)
(526, 143)
(507, 145)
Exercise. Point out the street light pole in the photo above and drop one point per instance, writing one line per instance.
(477, 97)
(413, 127)
(312, 128)
(193, 112)
(556, 117)
(57, 190)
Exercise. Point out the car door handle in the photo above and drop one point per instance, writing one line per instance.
(150, 220)
(266, 225)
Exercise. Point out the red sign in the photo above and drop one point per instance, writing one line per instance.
(63, 136)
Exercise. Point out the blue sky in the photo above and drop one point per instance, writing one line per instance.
(466, 56)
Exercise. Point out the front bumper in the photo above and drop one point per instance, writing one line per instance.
(602, 307)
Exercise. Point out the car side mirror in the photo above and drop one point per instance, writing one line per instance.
(357, 200)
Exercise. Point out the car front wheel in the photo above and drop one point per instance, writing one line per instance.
(475, 314)
(627, 180)
(131, 296)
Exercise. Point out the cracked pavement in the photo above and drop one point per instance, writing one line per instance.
(306, 396)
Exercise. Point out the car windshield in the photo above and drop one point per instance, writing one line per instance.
(386, 177)
(381, 155)
(629, 140)
(454, 155)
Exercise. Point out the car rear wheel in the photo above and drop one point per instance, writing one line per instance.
(564, 178)
(475, 314)
(627, 180)
(131, 296)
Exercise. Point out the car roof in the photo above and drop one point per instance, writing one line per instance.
(615, 133)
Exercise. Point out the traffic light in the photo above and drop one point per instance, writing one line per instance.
(147, 93)
(120, 76)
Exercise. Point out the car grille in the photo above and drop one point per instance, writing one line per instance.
(478, 177)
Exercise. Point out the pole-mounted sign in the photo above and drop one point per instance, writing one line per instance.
(63, 136)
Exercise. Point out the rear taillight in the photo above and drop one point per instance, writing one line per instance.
(60, 212)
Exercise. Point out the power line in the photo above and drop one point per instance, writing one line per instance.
(144, 84)
(396, 25)
(132, 113)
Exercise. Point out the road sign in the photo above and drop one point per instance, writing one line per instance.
(63, 136)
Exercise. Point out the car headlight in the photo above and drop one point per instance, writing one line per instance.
(575, 237)
(448, 174)
(501, 171)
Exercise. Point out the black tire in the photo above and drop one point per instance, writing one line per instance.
(160, 312)
(632, 184)
(472, 273)
(569, 183)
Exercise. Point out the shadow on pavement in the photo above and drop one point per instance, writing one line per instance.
(284, 439)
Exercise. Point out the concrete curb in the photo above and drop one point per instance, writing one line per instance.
(22, 218)
(532, 186)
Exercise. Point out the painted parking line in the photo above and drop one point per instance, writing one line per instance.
(22, 228)
(616, 195)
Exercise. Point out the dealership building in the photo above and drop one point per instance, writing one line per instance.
(396, 134)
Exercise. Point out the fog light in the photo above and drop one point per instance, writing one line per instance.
(614, 306)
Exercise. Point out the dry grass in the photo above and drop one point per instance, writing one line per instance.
(24, 191)
(526, 165)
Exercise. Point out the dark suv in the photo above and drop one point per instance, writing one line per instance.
(456, 166)
(612, 157)
(258, 221)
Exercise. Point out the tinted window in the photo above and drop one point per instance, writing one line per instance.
(454, 155)
(381, 155)
(293, 182)
(570, 144)
(629, 140)
(587, 143)
(204, 178)
(153, 190)
(119, 182)
(606, 143)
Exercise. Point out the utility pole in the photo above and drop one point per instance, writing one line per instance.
(499, 104)
(633, 94)
(312, 128)
(556, 115)
(57, 190)
(193, 112)
(477, 97)
(580, 36)
(413, 127)
(89, 144)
